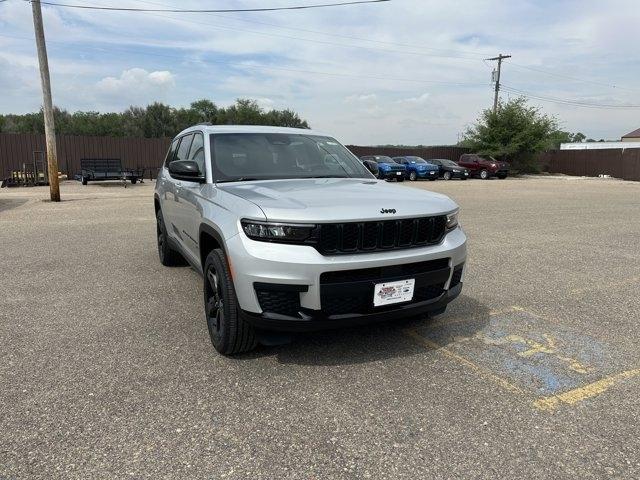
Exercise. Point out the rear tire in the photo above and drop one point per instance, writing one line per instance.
(168, 256)
(446, 175)
(502, 177)
(432, 179)
(134, 181)
(84, 180)
(484, 175)
(229, 332)
(413, 176)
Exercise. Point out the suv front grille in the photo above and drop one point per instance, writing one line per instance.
(381, 235)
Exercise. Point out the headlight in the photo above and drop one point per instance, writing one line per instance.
(493, 165)
(277, 232)
(452, 221)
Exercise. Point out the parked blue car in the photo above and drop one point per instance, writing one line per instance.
(418, 167)
(388, 169)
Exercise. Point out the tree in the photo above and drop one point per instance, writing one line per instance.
(155, 120)
(516, 132)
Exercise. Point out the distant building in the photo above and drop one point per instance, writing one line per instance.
(631, 136)
(600, 145)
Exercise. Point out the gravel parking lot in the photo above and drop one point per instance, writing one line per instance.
(107, 371)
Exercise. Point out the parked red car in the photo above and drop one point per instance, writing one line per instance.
(484, 167)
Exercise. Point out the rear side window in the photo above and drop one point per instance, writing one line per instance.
(183, 149)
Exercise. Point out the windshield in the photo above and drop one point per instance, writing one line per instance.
(416, 160)
(383, 159)
(449, 163)
(267, 156)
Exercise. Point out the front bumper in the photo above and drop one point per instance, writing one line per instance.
(317, 320)
(393, 174)
(427, 174)
(301, 267)
(460, 174)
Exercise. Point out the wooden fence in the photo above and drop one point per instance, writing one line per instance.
(17, 149)
(619, 163)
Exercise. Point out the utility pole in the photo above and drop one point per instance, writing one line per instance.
(49, 125)
(499, 58)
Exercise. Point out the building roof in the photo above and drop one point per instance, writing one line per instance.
(634, 134)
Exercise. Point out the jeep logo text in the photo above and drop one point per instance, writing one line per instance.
(388, 210)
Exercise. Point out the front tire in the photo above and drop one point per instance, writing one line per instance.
(446, 175)
(484, 175)
(168, 256)
(229, 332)
(413, 176)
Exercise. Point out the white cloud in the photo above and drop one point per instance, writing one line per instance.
(406, 92)
(137, 79)
(420, 100)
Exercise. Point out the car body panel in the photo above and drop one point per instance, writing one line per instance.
(337, 199)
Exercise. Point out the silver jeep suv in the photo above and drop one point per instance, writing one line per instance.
(291, 232)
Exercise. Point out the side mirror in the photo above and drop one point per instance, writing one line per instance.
(187, 170)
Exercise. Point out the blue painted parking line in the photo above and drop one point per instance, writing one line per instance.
(530, 354)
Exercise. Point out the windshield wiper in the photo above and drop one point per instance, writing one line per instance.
(241, 179)
(327, 176)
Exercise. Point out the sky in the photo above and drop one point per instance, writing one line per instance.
(400, 72)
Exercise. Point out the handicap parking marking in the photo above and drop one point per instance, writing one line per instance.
(529, 354)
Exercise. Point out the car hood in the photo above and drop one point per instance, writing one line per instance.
(338, 199)
(390, 165)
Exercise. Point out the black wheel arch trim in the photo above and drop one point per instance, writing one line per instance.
(215, 234)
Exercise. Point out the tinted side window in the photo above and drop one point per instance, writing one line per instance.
(183, 149)
(172, 152)
(196, 153)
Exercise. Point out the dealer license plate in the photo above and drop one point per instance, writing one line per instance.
(398, 173)
(393, 292)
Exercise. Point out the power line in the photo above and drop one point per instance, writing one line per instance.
(218, 10)
(569, 77)
(321, 42)
(332, 34)
(564, 101)
(290, 37)
(264, 67)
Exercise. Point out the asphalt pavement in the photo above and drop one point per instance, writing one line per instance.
(107, 371)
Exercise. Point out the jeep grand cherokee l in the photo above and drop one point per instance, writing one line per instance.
(291, 232)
